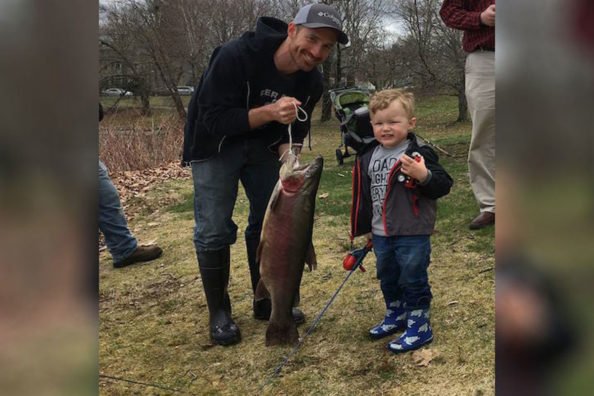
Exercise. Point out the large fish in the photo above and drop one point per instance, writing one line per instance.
(285, 245)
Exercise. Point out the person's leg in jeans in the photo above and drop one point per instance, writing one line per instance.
(388, 273)
(112, 221)
(413, 254)
(215, 192)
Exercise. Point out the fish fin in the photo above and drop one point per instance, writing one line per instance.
(310, 257)
(261, 291)
(282, 333)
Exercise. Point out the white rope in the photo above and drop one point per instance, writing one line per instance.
(297, 109)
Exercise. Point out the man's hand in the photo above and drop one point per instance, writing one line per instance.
(284, 110)
(413, 168)
(488, 16)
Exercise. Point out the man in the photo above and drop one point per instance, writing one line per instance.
(120, 242)
(477, 19)
(237, 130)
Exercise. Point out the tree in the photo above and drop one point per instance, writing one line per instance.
(363, 23)
(174, 38)
(161, 44)
(122, 64)
(437, 59)
(145, 36)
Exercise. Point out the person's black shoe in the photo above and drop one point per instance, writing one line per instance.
(142, 253)
(298, 316)
(483, 220)
(263, 308)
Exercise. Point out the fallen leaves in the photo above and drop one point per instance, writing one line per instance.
(423, 357)
(137, 183)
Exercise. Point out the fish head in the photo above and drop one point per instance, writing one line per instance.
(296, 177)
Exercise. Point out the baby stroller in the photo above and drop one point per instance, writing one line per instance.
(351, 109)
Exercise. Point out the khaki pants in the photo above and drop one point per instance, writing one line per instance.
(480, 93)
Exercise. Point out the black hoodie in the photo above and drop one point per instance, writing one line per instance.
(241, 75)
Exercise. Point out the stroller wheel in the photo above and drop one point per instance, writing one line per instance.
(339, 157)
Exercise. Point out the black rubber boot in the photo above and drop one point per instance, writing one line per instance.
(251, 246)
(298, 315)
(214, 270)
(262, 308)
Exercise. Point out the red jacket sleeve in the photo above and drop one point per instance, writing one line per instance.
(455, 15)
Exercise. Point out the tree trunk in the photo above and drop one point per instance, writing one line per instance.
(171, 87)
(146, 104)
(338, 74)
(179, 105)
(326, 103)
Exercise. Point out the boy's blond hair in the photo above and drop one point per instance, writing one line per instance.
(382, 99)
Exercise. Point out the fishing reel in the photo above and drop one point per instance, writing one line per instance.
(355, 258)
(408, 181)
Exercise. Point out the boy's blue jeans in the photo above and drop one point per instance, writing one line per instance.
(402, 264)
(112, 221)
(216, 182)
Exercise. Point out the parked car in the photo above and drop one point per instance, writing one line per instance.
(185, 90)
(116, 92)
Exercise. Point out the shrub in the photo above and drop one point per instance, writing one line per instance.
(128, 141)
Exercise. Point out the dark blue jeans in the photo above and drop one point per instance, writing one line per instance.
(216, 182)
(402, 264)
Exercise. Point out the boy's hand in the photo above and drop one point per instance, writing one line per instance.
(414, 168)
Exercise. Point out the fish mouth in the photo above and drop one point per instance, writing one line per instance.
(311, 168)
(299, 177)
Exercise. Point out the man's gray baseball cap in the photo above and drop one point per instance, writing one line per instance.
(321, 15)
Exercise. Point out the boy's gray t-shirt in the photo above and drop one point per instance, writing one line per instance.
(382, 160)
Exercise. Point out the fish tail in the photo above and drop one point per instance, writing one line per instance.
(282, 333)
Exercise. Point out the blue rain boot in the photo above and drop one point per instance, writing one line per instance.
(394, 321)
(418, 332)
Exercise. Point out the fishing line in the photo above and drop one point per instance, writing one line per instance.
(140, 383)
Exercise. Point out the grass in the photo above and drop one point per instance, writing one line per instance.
(154, 319)
(157, 102)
